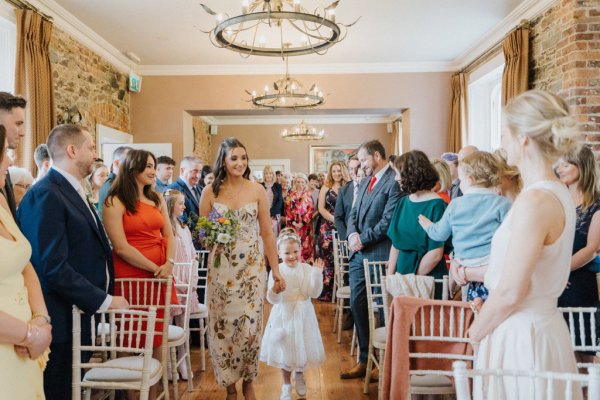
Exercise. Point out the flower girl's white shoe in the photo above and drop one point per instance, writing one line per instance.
(300, 384)
(286, 392)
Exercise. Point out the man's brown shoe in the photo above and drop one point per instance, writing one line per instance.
(375, 375)
(358, 371)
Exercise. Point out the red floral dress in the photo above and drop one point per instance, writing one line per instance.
(299, 209)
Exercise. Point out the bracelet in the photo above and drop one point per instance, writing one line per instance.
(43, 316)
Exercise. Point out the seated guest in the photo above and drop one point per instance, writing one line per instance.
(21, 180)
(96, 180)
(189, 176)
(70, 251)
(118, 157)
(42, 161)
(165, 166)
(207, 177)
(442, 187)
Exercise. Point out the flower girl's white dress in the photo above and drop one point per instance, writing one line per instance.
(292, 339)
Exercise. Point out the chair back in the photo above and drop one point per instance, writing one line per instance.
(202, 257)
(582, 327)
(341, 259)
(124, 335)
(377, 295)
(185, 274)
(529, 384)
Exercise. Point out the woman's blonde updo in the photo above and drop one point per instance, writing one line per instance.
(544, 117)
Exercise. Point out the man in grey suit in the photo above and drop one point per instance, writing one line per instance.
(368, 224)
(345, 199)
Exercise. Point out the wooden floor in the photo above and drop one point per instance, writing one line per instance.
(323, 383)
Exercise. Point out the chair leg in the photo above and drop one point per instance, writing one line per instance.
(87, 393)
(202, 347)
(380, 381)
(165, 378)
(353, 342)
(173, 354)
(188, 364)
(335, 288)
(369, 369)
(339, 322)
(335, 315)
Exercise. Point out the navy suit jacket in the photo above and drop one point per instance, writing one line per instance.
(343, 206)
(371, 216)
(191, 212)
(71, 252)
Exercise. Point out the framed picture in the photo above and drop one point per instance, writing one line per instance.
(322, 156)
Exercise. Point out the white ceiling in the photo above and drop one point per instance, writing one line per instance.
(419, 35)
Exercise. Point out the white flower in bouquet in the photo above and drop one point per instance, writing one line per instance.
(223, 238)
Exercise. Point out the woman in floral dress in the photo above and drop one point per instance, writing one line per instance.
(336, 178)
(236, 272)
(299, 209)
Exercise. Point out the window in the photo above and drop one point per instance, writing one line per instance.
(8, 48)
(485, 105)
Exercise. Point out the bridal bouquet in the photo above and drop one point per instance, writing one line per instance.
(218, 229)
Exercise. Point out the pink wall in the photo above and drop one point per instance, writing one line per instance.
(262, 141)
(157, 112)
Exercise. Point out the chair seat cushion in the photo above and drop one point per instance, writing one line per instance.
(175, 333)
(430, 381)
(343, 292)
(120, 370)
(380, 338)
(201, 313)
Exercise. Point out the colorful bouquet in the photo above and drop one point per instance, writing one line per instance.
(217, 229)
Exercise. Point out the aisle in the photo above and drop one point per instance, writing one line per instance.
(323, 383)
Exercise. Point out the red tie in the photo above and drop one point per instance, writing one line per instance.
(371, 184)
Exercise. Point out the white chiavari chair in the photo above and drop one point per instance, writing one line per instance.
(377, 301)
(125, 335)
(340, 266)
(143, 293)
(541, 384)
(179, 336)
(582, 328)
(202, 314)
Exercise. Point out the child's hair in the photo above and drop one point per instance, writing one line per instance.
(171, 197)
(286, 235)
(482, 167)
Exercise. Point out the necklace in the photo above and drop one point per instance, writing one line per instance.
(229, 194)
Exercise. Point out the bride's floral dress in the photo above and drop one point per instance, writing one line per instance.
(236, 290)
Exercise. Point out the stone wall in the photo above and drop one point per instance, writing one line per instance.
(202, 141)
(88, 85)
(565, 56)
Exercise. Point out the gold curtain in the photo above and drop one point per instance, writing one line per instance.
(458, 112)
(515, 79)
(33, 81)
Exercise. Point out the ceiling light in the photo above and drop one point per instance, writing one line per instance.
(302, 132)
(271, 27)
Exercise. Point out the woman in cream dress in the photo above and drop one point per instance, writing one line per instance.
(519, 326)
(24, 328)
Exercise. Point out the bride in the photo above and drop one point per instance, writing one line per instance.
(237, 285)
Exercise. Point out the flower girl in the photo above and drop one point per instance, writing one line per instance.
(292, 340)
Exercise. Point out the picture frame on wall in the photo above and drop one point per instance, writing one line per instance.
(322, 156)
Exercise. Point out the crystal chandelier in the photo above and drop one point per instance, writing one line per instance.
(277, 28)
(287, 92)
(302, 132)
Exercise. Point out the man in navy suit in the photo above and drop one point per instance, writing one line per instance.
(70, 251)
(189, 176)
(368, 224)
(345, 199)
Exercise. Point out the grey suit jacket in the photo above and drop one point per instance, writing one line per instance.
(371, 215)
(343, 206)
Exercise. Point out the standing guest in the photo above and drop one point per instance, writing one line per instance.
(367, 237)
(452, 160)
(237, 285)
(25, 330)
(284, 181)
(21, 180)
(96, 180)
(189, 176)
(520, 327)
(12, 117)
(580, 173)
(42, 161)
(207, 177)
(71, 253)
(274, 197)
(313, 188)
(444, 183)
(137, 223)
(278, 176)
(298, 214)
(118, 156)
(184, 253)
(412, 252)
(510, 177)
(165, 166)
(346, 198)
(336, 178)
(321, 176)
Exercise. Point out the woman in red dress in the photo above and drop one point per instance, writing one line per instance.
(138, 226)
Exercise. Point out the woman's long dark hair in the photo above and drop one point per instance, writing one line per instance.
(219, 169)
(125, 188)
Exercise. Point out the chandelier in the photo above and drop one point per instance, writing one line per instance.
(287, 92)
(277, 28)
(302, 132)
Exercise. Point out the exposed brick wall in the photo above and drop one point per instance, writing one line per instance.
(84, 80)
(202, 140)
(566, 60)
